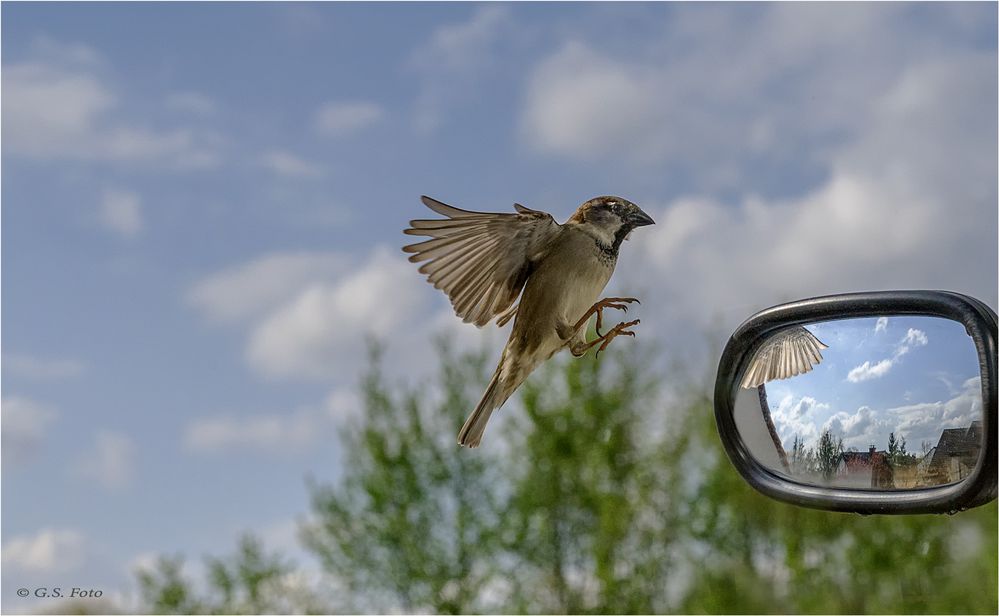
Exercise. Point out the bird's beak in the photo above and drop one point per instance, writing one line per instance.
(638, 218)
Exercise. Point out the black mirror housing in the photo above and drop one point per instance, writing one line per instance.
(977, 488)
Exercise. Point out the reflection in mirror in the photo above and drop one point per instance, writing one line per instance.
(888, 403)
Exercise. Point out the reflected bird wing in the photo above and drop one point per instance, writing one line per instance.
(788, 353)
(481, 260)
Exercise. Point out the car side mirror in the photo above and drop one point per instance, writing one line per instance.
(867, 402)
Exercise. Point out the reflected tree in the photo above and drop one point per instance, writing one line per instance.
(827, 454)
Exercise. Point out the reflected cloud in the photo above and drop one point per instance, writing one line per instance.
(867, 371)
(795, 417)
(800, 417)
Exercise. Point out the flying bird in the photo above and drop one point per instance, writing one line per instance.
(485, 261)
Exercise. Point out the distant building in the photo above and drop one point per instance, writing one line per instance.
(864, 469)
(954, 456)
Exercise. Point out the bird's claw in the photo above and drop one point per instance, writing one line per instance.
(618, 330)
(618, 303)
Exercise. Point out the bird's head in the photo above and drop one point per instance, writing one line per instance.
(610, 219)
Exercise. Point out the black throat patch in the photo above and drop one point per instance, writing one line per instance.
(608, 254)
(619, 236)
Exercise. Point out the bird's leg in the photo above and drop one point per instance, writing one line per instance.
(618, 330)
(618, 303)
(571, 333)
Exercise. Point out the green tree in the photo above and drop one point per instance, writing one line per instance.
(593, 493)
(561, 525)
(591, 520)
(827, 454)
(802, 460)
(249, 582)
(893, 447)
(412, 524)
(898, 455)
(164, 590)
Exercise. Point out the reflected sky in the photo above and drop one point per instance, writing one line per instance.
(912, 375)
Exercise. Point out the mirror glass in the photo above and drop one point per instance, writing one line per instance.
(889, 403)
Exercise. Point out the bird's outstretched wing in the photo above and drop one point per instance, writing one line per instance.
(480, 260)
(788, 353)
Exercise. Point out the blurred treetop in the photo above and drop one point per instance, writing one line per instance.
(597, 493)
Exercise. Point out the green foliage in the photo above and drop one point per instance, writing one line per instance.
(595, 492)
(588, 523)
(827, 454)
(897, 453)
(249, 582)
(164, 589)
(413, 523)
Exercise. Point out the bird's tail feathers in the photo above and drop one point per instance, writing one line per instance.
(470, 434)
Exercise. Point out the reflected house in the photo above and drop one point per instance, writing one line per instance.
(864, 469)
(954, 456)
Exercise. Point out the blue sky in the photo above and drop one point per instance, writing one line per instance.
(203, 205)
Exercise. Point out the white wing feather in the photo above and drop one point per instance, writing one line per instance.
(788, 353)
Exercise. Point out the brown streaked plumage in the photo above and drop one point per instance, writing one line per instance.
(484, 261)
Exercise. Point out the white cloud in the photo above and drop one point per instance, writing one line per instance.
(286, 433)
(289, 165)
(866, 426)
(58, 107)
(325, 324)
(282, 537)
(308, 315)
(191, 102)
(273, 433)
(925, 421)
(121, 212)
(49, 551)
(73, 54)
(342, 403)
(111, 462)
(336, 119)
(300, 21)
(859, 429)
(47, 107)
(463, 47)
(585, 106)
(903, 219)
(967, 404)
(25, 423)
(144, 561)
(796, 417)
(919, 422)
(246, 291)
(881, 325)
(768, 88)
(867, 371)
(454, 58)
(913, 338)
(805, 406)
(38, 369)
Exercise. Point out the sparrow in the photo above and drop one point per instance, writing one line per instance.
(484, 261)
